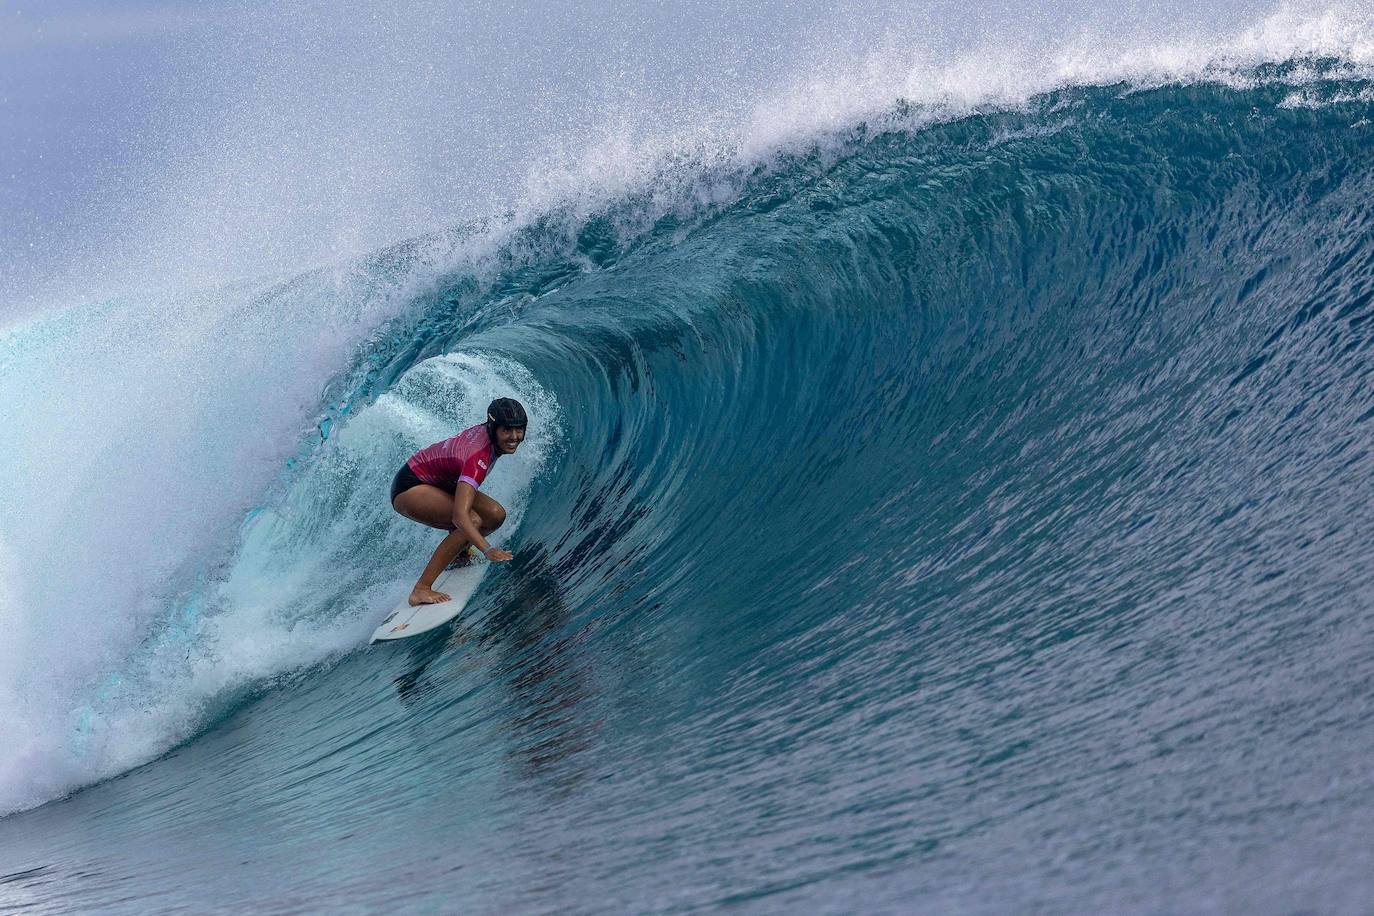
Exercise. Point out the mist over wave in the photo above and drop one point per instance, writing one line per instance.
(273, 138)
(991, 448)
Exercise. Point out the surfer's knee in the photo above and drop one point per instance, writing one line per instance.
(496, 516)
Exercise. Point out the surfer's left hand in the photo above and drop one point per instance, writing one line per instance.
(497, 555)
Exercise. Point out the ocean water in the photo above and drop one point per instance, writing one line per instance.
(952, 508)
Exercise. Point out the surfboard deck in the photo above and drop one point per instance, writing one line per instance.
(406, 621)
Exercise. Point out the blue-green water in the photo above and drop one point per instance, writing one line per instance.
(952, 516)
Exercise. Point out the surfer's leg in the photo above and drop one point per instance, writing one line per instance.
(433, 506)
(428, 505)
(491, 514)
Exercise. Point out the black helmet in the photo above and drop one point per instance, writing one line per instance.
(507, 412)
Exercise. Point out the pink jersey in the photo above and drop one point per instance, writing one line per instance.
(467, 457)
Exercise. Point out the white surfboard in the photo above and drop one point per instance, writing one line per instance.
(458, 584)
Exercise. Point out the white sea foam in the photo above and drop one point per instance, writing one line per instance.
(291, 592)
(911, 80)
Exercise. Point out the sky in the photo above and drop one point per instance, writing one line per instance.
(295, 117)
(152, 143)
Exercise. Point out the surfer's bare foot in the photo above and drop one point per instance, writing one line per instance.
(420, 595)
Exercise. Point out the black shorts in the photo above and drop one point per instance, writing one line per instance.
(405, 479)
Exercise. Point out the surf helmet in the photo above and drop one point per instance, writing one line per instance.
(507, 412)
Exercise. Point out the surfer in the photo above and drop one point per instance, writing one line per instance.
(437, 487)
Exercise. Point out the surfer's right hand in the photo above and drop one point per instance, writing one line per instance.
(497, 555)
(420, 595)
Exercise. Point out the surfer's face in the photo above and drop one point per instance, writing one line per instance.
(508, 439)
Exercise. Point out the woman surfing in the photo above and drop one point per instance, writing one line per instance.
(438, 487)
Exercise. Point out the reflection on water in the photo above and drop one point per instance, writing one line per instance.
(522, 645)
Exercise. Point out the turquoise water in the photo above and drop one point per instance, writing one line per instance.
(966, 515)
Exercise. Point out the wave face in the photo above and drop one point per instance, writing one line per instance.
(972, 515)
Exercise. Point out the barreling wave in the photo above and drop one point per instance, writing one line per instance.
(952, 450)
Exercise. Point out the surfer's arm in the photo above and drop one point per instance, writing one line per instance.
(462, 516)
(463, 522)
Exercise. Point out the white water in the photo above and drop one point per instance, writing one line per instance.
(306, 576)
